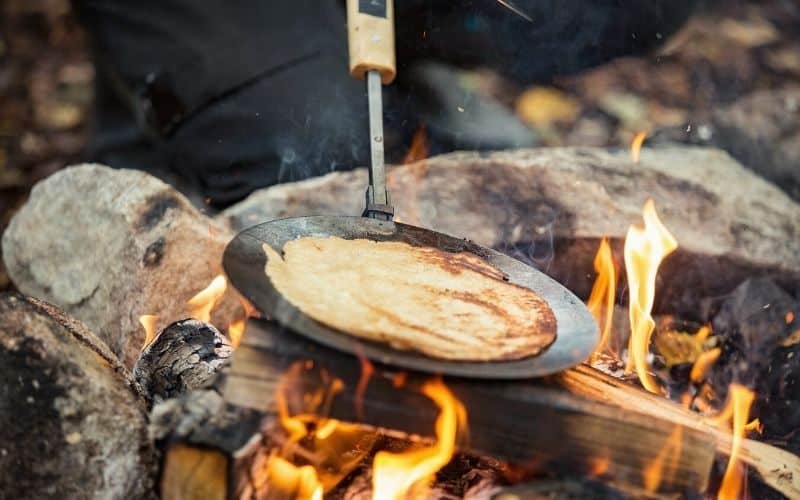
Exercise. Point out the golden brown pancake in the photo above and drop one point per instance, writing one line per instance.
(453, 306)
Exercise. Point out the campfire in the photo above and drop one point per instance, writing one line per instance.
(135, 367)
(238, 407)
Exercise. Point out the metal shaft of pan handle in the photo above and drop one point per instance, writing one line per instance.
(377, 194)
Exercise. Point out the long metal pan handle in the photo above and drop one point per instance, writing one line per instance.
(370, 31)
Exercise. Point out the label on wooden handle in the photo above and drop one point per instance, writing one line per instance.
(375, 8)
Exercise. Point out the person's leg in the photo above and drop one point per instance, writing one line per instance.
(289, 111)
(554, 37)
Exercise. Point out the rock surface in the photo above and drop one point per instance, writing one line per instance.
(72, 422)
(762, 130)
(108, 246)
(551, 206)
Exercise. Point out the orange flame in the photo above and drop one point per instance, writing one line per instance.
(636, 146)
(290, 481)
(201, 304)
(367, 370)
(644, 250)
(741, 399)
(665, 463)
(148, 322)
(419, 147)
(601, 300)
(236, 331)
(394, 475)
(703, 363)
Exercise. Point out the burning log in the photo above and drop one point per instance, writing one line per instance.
(539, 426)
(72, 421)
(554, 205)
(107, 245)
(184, 356)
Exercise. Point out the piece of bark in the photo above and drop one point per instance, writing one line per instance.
(72, 421)
(762, 130)
(184, 356)
(552, 206)
(108, 246)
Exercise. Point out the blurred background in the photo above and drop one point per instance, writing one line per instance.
(729, 78)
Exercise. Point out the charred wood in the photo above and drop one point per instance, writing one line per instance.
(184, 356)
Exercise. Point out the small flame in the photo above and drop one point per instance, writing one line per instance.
(201, 304)
(367, 370)
(601, 300)
(419, 147)
(636, 146)
(148, 322)
(394, 475)
(290, 481)
(789, 317)
(666, 462)
(399, 379)
(644, 250)
(741, 399)
(755, 426)
(236, 331)
(703, 363)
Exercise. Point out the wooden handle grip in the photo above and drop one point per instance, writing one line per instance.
(370, 31)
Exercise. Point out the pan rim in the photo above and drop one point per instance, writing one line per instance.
(576, 332)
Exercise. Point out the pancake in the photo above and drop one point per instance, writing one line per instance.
(452, 306)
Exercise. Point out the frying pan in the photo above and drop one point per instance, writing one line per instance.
(244, 261)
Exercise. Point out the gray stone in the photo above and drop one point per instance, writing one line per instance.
(762, 130)
(551, 206)
(108, 246)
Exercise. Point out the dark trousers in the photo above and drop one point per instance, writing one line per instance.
(227, 96)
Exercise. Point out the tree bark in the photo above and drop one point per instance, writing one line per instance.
(184, 356)
(73, 423)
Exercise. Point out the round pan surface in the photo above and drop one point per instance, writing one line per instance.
(244, 260)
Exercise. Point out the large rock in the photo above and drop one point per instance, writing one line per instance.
(108, 246)
(762, 130)
(72, 423)
(551, 206)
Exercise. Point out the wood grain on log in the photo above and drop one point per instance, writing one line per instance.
(554, 204)
(524, 422)
(184, 356)
(72, 421)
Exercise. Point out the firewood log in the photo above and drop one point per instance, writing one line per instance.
(184, 356)
(73, 423)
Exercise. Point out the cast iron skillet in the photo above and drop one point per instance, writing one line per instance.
(244, 261)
